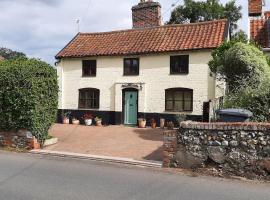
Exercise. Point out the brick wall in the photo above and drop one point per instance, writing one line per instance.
(22, 139)
(241, 149)
(146, 14)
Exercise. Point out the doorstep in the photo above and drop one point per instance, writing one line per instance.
(120, 160)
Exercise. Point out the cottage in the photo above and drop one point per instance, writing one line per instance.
(260, 24)
(150, 71)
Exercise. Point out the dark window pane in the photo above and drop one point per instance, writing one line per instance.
(178, 99)
(179, 64)
(89, 98)
(131, 66)
(89, 68)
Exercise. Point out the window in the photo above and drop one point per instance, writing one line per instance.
(89, 68)
(179, 99)
(179, 64)
(89, 98)
(131, 66)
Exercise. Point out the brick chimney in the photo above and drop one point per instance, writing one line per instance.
(255, 8)
(146, 14)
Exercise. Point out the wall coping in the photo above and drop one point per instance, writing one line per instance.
(248, 126)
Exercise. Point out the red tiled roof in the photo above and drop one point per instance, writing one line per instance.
(171, 38)
(259, 32)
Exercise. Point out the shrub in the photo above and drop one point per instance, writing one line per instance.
(255, 98)
(28, 96)
(234, 61)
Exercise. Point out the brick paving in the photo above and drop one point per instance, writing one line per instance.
(116, 141)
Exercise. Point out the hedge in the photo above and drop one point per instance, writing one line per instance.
(28, 96)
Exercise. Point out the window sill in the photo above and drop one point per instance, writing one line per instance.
(89, 76)
(177, 74)
(131, 75)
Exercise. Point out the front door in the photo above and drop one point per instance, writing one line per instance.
(131, 107)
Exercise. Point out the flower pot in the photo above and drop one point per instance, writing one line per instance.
(162, 123)
(88, 122)
(153, 125)
(142, 123)
(99, 123)
(65, 120)
(75, 122)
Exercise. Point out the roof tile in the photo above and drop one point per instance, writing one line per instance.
(169, 38)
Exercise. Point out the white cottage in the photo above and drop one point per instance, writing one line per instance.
(150, 71)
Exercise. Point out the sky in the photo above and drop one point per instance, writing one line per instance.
(41, 28)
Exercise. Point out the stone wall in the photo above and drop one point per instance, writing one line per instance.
(22, 139)
(241, 149)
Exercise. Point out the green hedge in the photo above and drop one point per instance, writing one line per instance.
(28, 96)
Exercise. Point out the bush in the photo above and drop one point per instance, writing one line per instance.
(28, 96)
(255, 98)
(239, 61)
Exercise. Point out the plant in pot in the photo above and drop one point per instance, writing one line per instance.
(66, 117)
(75, 121)
(153, 123)
(88, 119)
(142, 122)
(170, 125)
(98, 121)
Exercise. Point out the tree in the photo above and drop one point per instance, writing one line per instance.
(197, 11)
(236, 61)
(9, 54)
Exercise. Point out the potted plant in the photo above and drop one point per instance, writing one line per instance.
(162, 123)
(75, 121)
(98, 121)
(142, 122)
(153, 123)
(88, 118)
(170, 125)
(66, 117)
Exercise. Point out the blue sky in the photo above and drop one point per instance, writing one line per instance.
(40, 28)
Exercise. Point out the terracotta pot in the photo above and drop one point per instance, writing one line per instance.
(75, 122)
(142, 123)
(162, 123)
(65, 120)
(88, 122)
(154, 125)
(99, 123)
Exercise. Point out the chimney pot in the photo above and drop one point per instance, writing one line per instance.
(255, 8)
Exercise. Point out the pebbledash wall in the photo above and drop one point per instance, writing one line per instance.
(21, 139)
(154, 77)
(241, 149)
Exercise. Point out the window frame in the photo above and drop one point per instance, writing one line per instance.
(173, 91)
(138, 69)
(83, 65)
(172, 58)
(93, 90)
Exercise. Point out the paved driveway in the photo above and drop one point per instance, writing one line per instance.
(116, 141)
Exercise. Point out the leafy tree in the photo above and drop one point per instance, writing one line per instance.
(9, 54)
(234, 61)
(197, 11)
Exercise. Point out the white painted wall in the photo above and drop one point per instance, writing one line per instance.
(154, 74)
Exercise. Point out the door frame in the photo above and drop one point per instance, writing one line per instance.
(123, 101)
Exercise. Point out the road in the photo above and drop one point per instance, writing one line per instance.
(32, 177)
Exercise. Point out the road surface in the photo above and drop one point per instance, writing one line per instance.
(32, 177)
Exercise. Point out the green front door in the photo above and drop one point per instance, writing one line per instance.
(131, 107)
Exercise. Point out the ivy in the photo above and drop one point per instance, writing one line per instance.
(28, 96)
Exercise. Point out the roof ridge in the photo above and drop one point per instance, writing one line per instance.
(156, 27)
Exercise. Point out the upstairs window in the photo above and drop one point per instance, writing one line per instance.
(131, 66)
(89, 98)
(179, 64)
(89, 68)
(178, 99)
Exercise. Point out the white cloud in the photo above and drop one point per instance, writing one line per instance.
(40, 28)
